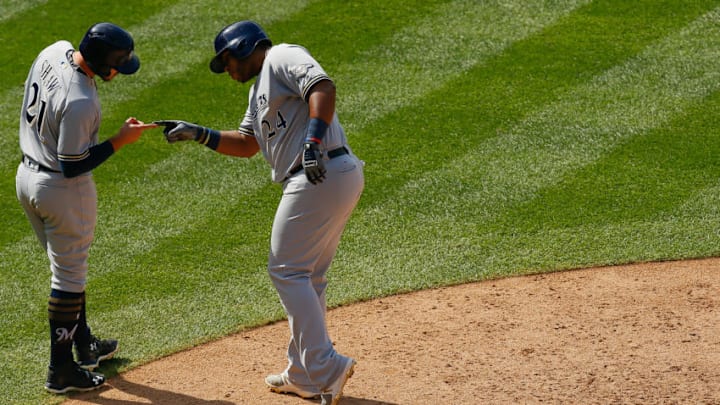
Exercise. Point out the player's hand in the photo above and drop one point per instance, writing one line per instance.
(313, 163)
(130, 132)
(176, 130)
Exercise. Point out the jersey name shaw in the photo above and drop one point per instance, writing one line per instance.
(49, 79)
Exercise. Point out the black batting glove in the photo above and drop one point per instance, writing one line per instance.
(312, 162)
(176, 130)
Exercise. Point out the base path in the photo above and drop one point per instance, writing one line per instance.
(645, 333)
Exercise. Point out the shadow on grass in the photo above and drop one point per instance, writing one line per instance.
(140, 393)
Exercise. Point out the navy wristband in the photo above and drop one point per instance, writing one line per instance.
(213, 139)
(316, 130)
(209, 137)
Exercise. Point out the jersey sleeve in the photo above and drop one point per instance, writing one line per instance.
(246, 125)
(297, 69)
(77, 130)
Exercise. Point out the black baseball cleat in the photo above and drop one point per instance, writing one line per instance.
(70, 377)
(98, 350)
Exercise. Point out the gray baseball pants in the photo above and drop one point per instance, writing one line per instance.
(63, 214)
(308, 224)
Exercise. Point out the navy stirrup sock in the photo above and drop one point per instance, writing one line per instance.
(82, 335)
(64, 310)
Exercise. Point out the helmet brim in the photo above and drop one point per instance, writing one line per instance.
(129, 67)
(216, 64)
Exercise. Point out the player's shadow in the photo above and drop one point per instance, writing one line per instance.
(141, 394)
(360, 401)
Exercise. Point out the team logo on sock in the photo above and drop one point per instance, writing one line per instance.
(64, 335)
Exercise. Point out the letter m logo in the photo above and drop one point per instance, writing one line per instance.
(63, 334)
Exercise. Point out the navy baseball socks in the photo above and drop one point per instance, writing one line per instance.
(91, 350)
(64, 374)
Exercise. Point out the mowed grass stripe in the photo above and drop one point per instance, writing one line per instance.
(32, 28)
(424, 56)
(662, 168)
(627, 101)
(664, 207)
(575, 131)
(540, 151)
(689, 231)
(10, 8)
(501, 91)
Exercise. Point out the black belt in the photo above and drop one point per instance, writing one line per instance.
(35, 165)
(331, 155)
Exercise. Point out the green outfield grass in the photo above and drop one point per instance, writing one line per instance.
(500, 138)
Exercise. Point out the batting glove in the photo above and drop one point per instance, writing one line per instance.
(312, 162)
(176, 130)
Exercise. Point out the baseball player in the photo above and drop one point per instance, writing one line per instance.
(291, 119)
(59, 124)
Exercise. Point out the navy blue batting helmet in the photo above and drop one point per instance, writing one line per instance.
(240, 39)
(98, 45)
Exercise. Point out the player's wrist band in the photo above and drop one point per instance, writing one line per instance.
(208, 137)
(316, 130)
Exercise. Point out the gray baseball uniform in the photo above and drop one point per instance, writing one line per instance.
(310, 218)
(59, 120)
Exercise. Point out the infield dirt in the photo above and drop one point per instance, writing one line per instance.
(643, 334)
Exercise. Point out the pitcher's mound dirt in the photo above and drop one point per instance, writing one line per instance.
(641, 334)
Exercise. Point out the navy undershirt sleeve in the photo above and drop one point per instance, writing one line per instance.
(96, 155)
